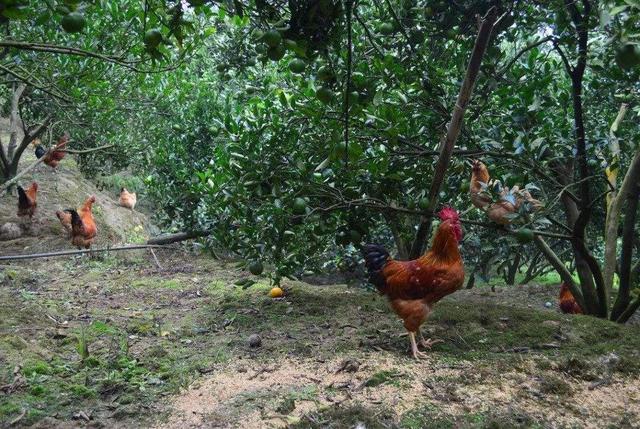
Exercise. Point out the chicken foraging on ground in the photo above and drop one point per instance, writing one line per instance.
(83, 225)
(567, 302)
(27, 201)
(128, 199)
(64, 216)
(413, 287)
(502, 212)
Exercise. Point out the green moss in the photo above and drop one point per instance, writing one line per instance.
(8, 410)
(36, 367)
(82, 392)
(382, 377)
(172, 284)
(37, 390)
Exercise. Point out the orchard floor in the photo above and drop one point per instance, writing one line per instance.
(117, 343)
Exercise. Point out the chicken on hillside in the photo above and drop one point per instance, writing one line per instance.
(27, 201)
(128, 199)
(567, 302)
(504, 211)
(413, 287)
(83, 226)
(64, 216)
(54, 156)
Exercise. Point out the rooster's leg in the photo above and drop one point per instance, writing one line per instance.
(414, 347)
(428, 342)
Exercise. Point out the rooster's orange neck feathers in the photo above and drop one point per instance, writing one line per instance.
(445, 244)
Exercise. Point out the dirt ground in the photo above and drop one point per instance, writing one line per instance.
(117, 342)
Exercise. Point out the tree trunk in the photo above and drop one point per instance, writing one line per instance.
(472, 281)
(624, 291)
(402, 246)
(14, 118)
(512, 270)
(628, 191)
(447, 143)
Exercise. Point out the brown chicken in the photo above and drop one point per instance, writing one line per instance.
(479, 182)
(83, 226)
(501, 212)
(567, 302)
(54, 156)
(413, 287)
(27, 201)
(128, 199)
(64, 216)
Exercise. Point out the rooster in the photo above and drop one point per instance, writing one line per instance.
(64, 216)
(127, 199)
(413, 287)
(27, 201)
(55, 155)
(504, 211)
(40, 151)
(567, 302)
(83, 226)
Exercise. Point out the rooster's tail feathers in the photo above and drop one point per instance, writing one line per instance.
(375, 257)
(23, 200)
(76, 220)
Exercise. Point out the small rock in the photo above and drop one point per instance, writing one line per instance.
(58, 334)
(348, 365)
(255, 341)
(81, 415)
(548, 304)
(610, 360)
(551, 323)
(10, 231)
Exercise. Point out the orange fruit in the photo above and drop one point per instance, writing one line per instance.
(276, 292)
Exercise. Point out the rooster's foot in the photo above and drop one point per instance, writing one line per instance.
(417, 354)
(428, 342)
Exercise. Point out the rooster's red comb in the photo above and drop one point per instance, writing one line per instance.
(448, 213)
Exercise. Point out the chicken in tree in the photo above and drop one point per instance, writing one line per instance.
(55, 155)
(413, 287)
(506, 209)
(27, 201)
(83, 225)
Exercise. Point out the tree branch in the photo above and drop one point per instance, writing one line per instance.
(95, 149)
(66, 50)
(447, 143)
(561, 269)
(33, 84)
(80, 252)
(28, 138)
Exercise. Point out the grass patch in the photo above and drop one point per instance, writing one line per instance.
(429, 416)
(552, 384)
(338, 417)
(383, 377)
